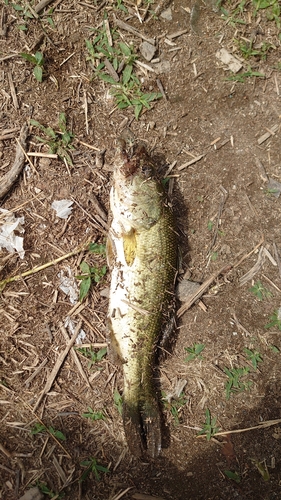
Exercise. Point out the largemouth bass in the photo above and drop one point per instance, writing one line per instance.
(142, 255)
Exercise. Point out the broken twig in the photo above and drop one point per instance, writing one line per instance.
(10, 177)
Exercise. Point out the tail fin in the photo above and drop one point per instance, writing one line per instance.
(142, 425)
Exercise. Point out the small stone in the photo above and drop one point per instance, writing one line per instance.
(186, 289)
(167, 14)
(32, 494)
(162, 67)
(147, 50)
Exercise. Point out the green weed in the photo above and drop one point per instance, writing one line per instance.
(262, 468)
(94, 415)
(236, 16)
(194, 352)
(275, 320)
(38, 62)
(121, 6)
(46, 491)
(214, 256)
(90, 273)
(38, 428)
(94, 357)
(25, 14)
(241, 77)
(118, 401)
(58, 142)
(234, 476)
(247, 50)
(126, 87)
(260, 291)
(254, 357)
(98, 248)
(209, 427)
(272, 7)
(274, 349)
(235, 384)
(92, 466)
(174, 406)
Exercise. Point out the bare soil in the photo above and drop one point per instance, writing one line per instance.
(226, 217)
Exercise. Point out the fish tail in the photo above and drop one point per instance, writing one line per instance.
(142, 423)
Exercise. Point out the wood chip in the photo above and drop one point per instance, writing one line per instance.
(261, 168)
(177, 34)
(108, 32)
(266, 136)
(111, 70)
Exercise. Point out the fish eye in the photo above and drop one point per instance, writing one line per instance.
(146, 170)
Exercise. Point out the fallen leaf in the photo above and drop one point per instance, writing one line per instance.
(228, 449)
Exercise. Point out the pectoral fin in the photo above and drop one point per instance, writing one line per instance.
(130, 247)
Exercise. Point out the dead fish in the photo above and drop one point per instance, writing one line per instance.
(142, 255)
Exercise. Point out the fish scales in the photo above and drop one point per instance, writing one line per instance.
(142, 254)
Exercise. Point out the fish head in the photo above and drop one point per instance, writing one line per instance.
(138, 196)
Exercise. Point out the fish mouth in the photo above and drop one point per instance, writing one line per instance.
(134, 159)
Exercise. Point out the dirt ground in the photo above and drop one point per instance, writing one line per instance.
(228, 217)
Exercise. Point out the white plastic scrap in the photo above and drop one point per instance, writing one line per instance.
(8, 239)
(68, 285)
(71, 325)
(63, 208)
(232, 62)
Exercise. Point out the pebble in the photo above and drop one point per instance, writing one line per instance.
(167, 14)
(147, 50)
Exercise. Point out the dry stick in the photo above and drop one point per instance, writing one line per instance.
(255, 269)
(161, 88)
(5, 137)
(58, 366)
(268, 134)
(135, 32)
(13, 91)
(10, 177)
(222, 203)
(86, 112)
(94, 222)
(249, 254)
(44, 266)
(277, 258)
(75, 357)
(36, 371)
(122, 493)
(26, 156)
(263, 425)
(191, 161)
(200, 291)
(87, 145)
(41, 5)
